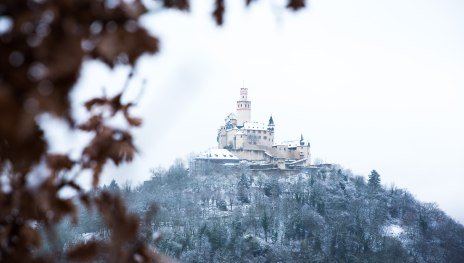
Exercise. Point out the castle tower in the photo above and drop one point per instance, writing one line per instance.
(243, 108)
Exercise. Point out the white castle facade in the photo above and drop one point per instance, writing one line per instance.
(254, 141)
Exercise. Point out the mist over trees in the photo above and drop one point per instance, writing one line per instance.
(226, 215)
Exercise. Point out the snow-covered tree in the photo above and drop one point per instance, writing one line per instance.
(374, 179)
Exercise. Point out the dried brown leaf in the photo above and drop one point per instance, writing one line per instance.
(59, 162)
(133, 121)
(296, 4)
(92, 124)
(218, 12)
(248, 2)
(122, 46)
(95, 102)
(178, 4)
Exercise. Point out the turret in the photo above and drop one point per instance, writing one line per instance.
(270, 125)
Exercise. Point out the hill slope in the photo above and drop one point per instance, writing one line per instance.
(328, 216)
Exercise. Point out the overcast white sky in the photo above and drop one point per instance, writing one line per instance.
(372, 85)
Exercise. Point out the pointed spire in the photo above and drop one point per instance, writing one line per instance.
(302, 140)
(271, 121)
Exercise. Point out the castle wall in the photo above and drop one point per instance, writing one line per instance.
(246, 139)
(305, 153)
(243, 115)
(253, 149)
(226, 138)
(280, 151)
(293, 153)
(231, 138)
(239, 141)
(222, 139)
(252, 155)
(259, 137)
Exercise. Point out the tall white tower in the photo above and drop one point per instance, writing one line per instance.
(243, 108)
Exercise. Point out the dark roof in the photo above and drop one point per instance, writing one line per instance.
(271, 121)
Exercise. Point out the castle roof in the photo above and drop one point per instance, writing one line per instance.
(254, 126)
(222, 154)
(231, 116)
(271, 121)
(294, 143)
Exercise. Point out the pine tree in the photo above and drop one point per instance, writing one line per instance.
(374, 179)
(113, 187)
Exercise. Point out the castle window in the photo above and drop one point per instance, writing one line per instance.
(265, 137)
(259, 137)
(259, 131)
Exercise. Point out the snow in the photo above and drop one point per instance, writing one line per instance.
(254, 126)
(86, 237)
(218, 154)
(231, 116)
(393, 230)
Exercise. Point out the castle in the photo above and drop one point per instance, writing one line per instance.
(254, 141)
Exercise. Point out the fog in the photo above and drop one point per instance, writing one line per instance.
(371, 84)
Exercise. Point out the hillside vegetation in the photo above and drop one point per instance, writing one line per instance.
(248, 216)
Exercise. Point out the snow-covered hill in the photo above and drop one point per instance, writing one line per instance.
(228, 215)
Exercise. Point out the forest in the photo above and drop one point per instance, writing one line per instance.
(330, 215)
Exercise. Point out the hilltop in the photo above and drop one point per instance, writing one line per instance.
(328, 215)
